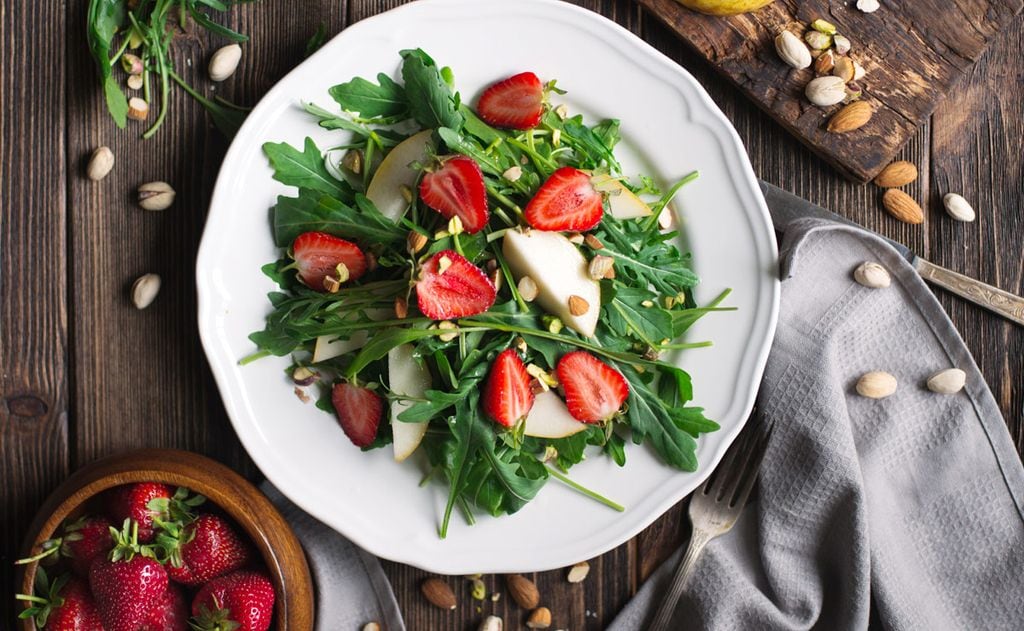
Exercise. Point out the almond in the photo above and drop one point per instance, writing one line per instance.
(577, 305)
(902, 206)
(899, 173)
(438, 593)
(850, 117)
(523, 591)
(540, 618)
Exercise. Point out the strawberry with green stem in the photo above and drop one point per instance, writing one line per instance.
(242, 601)
(62, 605)
(132, 501)
(202, 549)
(128, 583)
(82, 541)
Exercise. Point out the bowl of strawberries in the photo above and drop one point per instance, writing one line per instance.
(162, 540)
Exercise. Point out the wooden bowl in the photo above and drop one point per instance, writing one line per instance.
(265, 527)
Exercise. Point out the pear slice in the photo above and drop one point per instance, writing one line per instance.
(559, 270)
(328, 346)
(622, 202)
(409, 378)
(394, 174)
(550, 418)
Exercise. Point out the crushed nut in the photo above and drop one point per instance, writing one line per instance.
(593, 242)
(577, 305)
(446, 325)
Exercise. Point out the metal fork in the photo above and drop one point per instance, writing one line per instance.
(714, 509)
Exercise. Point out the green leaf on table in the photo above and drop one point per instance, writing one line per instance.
(431, 101)
(304, 169)
(385, 99)
(316, 40)
(202, 19)
(103, 20)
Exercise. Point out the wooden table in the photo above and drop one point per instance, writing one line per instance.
(83, 374)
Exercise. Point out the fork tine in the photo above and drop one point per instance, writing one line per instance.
(715, 482)
(752, 466)
(732, 466)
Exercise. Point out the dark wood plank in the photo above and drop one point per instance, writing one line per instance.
(914, 52)
(141, 379)
(33, 273)
(976, 138)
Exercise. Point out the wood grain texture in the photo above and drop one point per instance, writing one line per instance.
(70, 249)
(33, 274)
(914, 52)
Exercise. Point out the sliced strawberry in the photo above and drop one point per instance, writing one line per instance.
(359, 411)
(457, 188)
(594, 391)
(516, 102)
(507, 393)
(452, 287)
(565, 201)
(318, 255)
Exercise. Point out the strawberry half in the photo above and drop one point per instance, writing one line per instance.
(565, 201)
(318, 254)
(132, 501)
(359, 411)
(243, 601)
(452, 287)
(457, 188)
(507, 393)
(594, 391)
(204, 549)
(515, 103)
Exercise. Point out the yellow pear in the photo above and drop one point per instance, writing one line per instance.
(724, 7)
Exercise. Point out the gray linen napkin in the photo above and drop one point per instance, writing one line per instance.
(915, 501)
(351, 588)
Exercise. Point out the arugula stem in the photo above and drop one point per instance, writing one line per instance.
(666, 199)
(506, 202)
(538, 159)
(248, 359)
(684, 346)
(165, 91)
(509, 279)
(561, 477)
(467, 514)
(428, 475)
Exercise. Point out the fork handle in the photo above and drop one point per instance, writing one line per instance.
(663, 617)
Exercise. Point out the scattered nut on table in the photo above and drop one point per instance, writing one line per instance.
(578, 572)
(948, 381)
(876, 385)
(958, 208)
(100, 163)
(224, 62)
(438, 593)
(873, 275)
(156, 195)
(492, 623)
(540, 618)
(144, 290)
(792, 50)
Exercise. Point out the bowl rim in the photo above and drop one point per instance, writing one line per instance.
(271, 534)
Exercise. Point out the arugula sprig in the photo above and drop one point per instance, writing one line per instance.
(647, 306)
(149, 27)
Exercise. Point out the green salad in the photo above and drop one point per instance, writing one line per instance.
(481, 285)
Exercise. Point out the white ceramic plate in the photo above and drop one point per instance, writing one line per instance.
(669, 126)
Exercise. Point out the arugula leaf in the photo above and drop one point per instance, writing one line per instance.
(431, 101)
(316, 40)
(312, 211)
(104, 19)
(685, 318)
(627, 315)
(646, 259)
(304, 169)
(386, 100)
(382, 342)
(584, 141)
(650, 420)
(204, 20)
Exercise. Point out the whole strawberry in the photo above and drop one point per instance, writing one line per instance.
(128, 584)
(170, 614)
(84, 541)
(243, 598)
(80, 542)
(132, 501)
(64, 605)
(202, 550)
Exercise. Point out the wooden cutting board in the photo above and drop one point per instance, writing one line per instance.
(914, 51)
